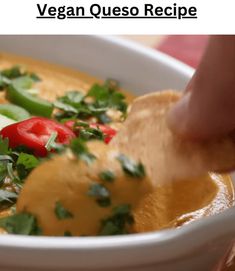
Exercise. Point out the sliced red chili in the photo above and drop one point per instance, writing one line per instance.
(108, 132)
(34, 134)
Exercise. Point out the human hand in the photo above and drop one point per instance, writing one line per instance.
(207, 109)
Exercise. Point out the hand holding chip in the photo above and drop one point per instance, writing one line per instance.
(207, 110)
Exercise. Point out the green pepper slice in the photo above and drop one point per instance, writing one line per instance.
(14, 112)
(35, 105)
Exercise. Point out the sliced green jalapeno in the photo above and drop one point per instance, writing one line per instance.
(35, 105)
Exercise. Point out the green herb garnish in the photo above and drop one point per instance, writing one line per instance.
(130, 167)
(74, 104)
(89, 133)
(16, 72)
(15, 165)
(7, 196)
(51, 141)
(80, 149)
(68, 234)
(25, 164)
(4, 145)
(61, 212)
(119, 222)
(24, 223)
(100, 193)
(13, 72)
(107, 176)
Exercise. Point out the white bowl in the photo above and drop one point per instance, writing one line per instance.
(197, 246)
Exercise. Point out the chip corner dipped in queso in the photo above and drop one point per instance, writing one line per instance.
(75, 162)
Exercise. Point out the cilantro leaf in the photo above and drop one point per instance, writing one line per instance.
(3, 171)
(65, 107)
(75, 105)
(53, 145)
(61, 212)
(80, 149)
(100, 193)
(107, 95)
(7, 195)
(4, 145)
(107, 176)
(17, 77)
(28, 160)
(51, 141)
(12, 72)
(23, 223)
(35, 77)
(119, 221)
(25, 164)
(130, 167)
(68, 234)
(16, 72)
(91, 133)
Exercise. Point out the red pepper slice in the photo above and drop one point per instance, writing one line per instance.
(108, 132)
(34, 134)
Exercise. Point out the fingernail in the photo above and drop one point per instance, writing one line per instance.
(178, 116)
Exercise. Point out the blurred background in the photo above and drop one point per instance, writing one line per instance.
(186, 48)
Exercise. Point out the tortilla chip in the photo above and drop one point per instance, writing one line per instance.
(146, 136)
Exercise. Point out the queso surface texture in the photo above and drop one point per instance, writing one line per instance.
(168, 205)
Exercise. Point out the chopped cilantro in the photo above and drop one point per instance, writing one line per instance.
(119, 222)
(80, 149)
(68, 234)
(15, 164)
(35, 77)
(89, 133)
(100, 193)
(107, 95)
(22, 148)
(98, 190)
(4, 145)
(65, 107)
(51, 141)
(104, 202)
(16, 72)
(25, 164)
(81, 124)
(107, 176)
(3, 171)
(130, 167)
(23, 223)
(12, 72)
(11, 173)
(74, 104)
(72, 98)
(6, 158)
(28, 160)
(7, 196)
(61, 212)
